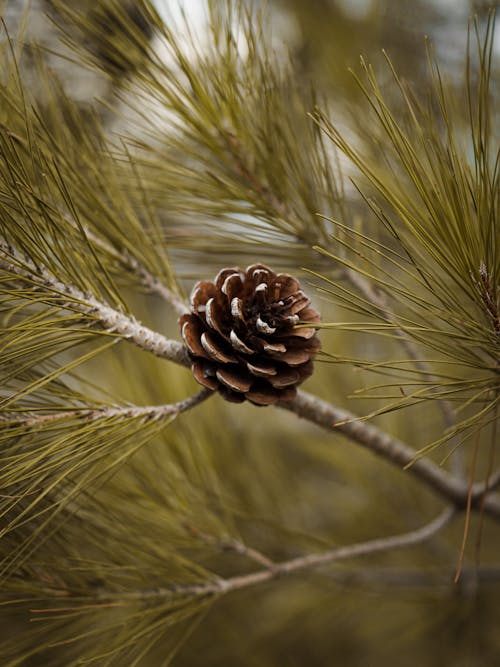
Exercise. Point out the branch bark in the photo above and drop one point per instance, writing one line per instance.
(231, 544)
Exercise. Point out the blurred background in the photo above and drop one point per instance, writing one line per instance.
(278, 483)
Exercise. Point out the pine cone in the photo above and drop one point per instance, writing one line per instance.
(242, 338)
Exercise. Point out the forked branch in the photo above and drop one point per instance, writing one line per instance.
(224, 586)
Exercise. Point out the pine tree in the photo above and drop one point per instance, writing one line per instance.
(153, 512)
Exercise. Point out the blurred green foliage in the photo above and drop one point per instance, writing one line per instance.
(198, 154)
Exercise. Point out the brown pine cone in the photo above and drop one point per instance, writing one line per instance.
(242, 336)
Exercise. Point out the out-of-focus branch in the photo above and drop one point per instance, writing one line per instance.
(147, 279)
(391, 449)
(232, 545)
(310, 561)
(244, 173)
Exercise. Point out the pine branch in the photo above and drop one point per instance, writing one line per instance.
(280, 212)
(72, 298)
(277, 208)
(311, 408)
(240, 153)
(487, 486)
(377, 298)
(232, 545)
(278, 570)
(157, 412)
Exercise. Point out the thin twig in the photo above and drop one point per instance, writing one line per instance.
(231, 544)
(377, 298)
(393, 450)
(148, 280)
(36, 420)
(225, 586)
(244, 173)
(238, 547)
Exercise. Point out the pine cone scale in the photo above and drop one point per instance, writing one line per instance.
(202, 375)
(191, 333)
(293, 357)
(235, 378)
(216, 318)
(310, 315)
(285, 377)
(298, 303)
(261, 369)
(239, 345)
(237, 311)
(264, 395)
(232, 286)
(247, 334)
(216, 349)
(273, 348)
(201, 293)
(225, 276)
